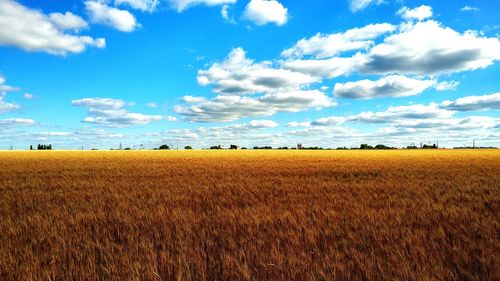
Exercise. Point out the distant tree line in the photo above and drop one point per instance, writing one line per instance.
(378, 146)
(42, 147)
(363, 146)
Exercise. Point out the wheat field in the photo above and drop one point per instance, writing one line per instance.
(250, 215)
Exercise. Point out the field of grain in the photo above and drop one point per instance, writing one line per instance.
(250, 215)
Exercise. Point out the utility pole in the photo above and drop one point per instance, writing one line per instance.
(473, 143)
(120, 148)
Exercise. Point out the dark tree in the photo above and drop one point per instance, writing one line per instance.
(188, 147)
(164, 147)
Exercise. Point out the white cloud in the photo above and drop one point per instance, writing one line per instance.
(428, 48)
(247, 88)
(16, 122)
(451, 124)
(6, 106)
(32, 30)
(299, 124)
(446, 85)
(418, 13)
(100, 103)
(358, 5)
(239, 75)
(193, 99)
(224, 12)
(229, 108)
(260, 124)
(329, 45)
(6, 88)
(152, 105)
(388, 86)
(242, 134)
(111, 112)
(329, 121)
(393, 113)
(473, 103)
(469, 9)
(127, 118)
(120, 19)
(262, 12)
(181, 5)
(417, 48)
(28, 96)
(143, 5)
(329, 68)
(68, 21)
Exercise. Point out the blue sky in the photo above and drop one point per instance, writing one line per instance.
(250, 72)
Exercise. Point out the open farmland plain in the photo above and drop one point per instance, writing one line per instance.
(250, 215)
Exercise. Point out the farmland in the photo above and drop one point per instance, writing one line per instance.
(250, 215)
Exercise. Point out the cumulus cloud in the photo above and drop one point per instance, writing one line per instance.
(152, 105)
(410, 57)
(329, 45)
(261, 124)
(473, 103)
(100, 12)
(262, 12)
(100, 103)
(451, 124)
(415, 48)
(181, 5)
(32, 30)
(229, 108)
(28, 96)
(416, 111)
(239, 75)
(392, 115)
(193, 99)
(68, 21)
(6, 88)
(250, 133)
(6, 106)
(418, 13)
(428, 48)
(358, 5)
(299, 124)
(388, 86)
(142, 5)
(325, 68)
(16, 122)
(112, 113)
(446, 85)
(329, 121)
(224, 12)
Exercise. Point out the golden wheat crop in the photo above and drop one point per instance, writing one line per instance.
(250, 215)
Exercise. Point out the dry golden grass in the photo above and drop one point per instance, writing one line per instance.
(250, 215)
